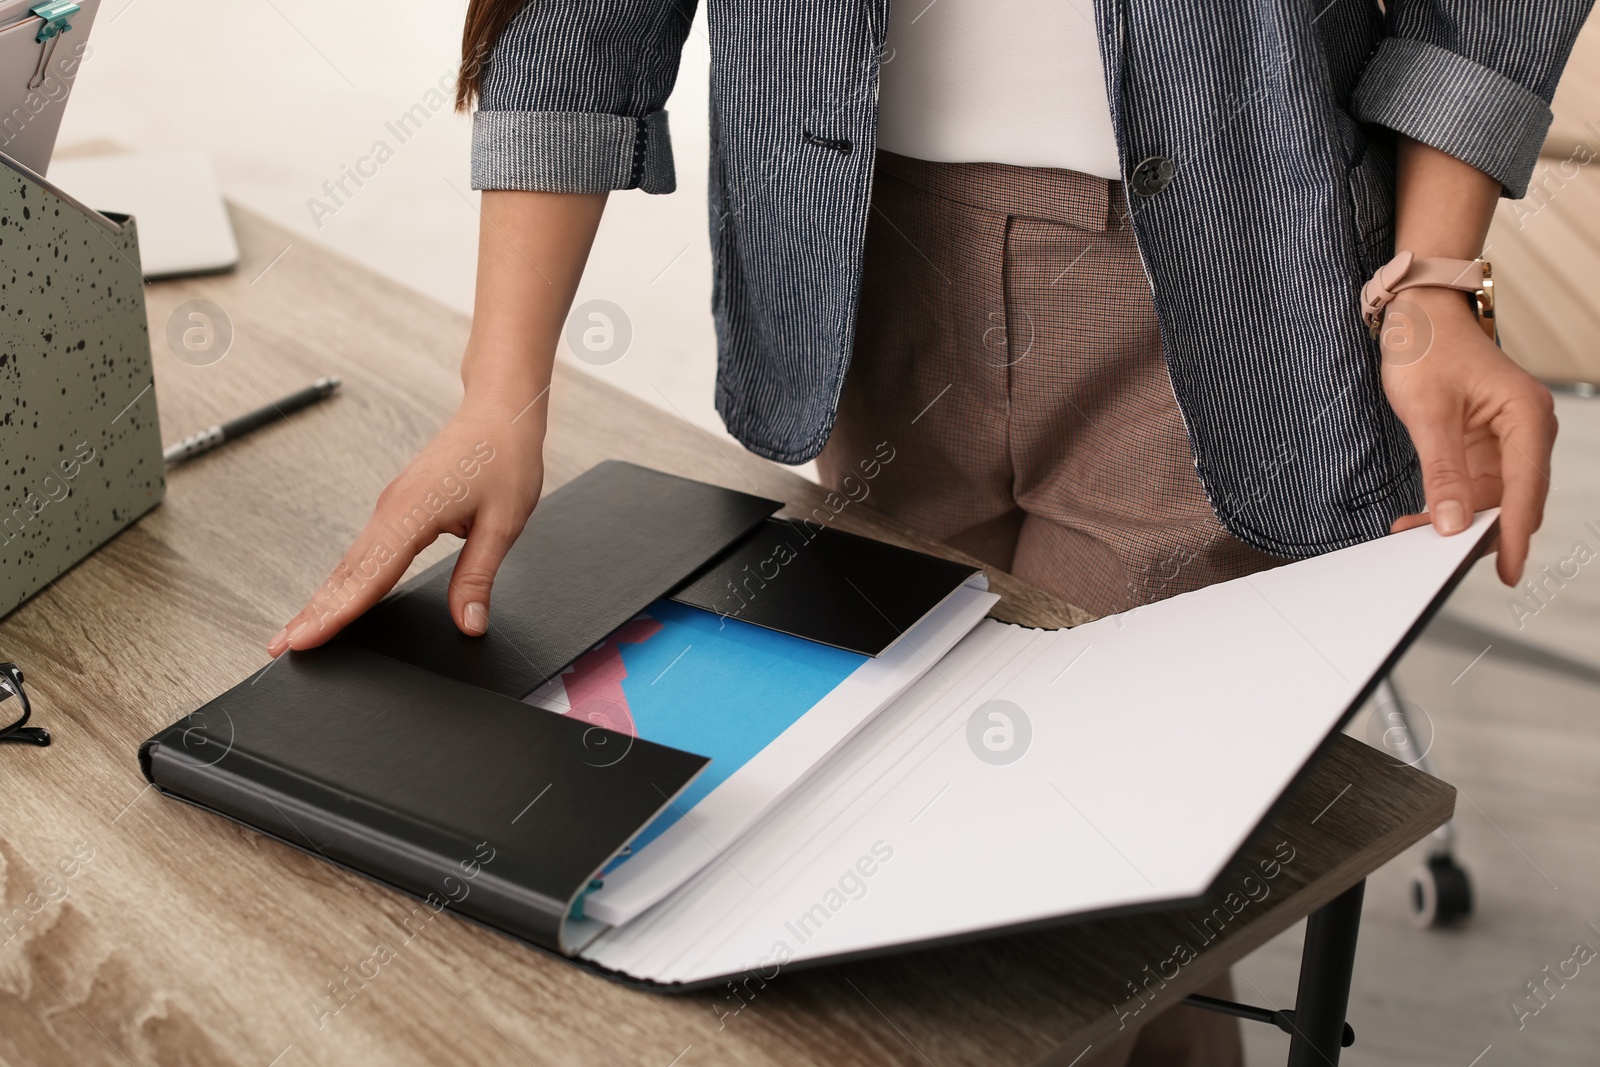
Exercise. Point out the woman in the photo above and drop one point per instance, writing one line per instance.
(1097, 278)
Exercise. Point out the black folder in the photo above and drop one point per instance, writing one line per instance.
(402, 749)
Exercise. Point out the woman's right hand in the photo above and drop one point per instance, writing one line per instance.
(478, 479)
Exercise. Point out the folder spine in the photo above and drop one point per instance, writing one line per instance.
(441, 868)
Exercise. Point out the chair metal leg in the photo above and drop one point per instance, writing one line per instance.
(1401, 732)
(1451, 629)
(1440, 893)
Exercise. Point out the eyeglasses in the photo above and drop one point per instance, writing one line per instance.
(18, 732)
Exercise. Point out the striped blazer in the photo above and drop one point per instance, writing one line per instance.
(1264, 169)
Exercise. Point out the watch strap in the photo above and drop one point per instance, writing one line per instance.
(1406, 271)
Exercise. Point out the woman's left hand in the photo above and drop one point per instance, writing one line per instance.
(1483, 427)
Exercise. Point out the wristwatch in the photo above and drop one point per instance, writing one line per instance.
(1472, 276)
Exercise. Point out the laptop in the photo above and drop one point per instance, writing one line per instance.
(184, 227)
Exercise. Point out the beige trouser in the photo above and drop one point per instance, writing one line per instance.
(1008, 352)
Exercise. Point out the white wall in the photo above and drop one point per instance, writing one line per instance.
(285, 93)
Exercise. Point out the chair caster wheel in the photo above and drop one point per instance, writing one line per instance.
(1441, 893)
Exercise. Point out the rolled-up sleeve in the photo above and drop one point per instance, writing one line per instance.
(1472, 78)
(573, 94)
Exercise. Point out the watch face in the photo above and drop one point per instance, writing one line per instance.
(1483, 301)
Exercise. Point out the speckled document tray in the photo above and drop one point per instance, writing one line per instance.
(80, 443)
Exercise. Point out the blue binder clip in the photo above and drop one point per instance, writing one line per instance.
(55, 14)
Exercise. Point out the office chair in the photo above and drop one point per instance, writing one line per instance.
(1440, 892)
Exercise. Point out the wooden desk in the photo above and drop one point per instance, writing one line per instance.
(183, 938)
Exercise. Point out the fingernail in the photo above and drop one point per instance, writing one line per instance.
(1450, 517)
(279, 639)
(476, 618)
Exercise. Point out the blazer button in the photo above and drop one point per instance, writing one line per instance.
(1153, 175)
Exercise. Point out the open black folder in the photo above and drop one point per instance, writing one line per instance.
(1121, 764)
(403, 748)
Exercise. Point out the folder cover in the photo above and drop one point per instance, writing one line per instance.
(593, 554)
(825, 585)
(420, 782)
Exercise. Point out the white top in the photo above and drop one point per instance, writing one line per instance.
(997, 81)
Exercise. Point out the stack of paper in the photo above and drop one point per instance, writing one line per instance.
(768, 708)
